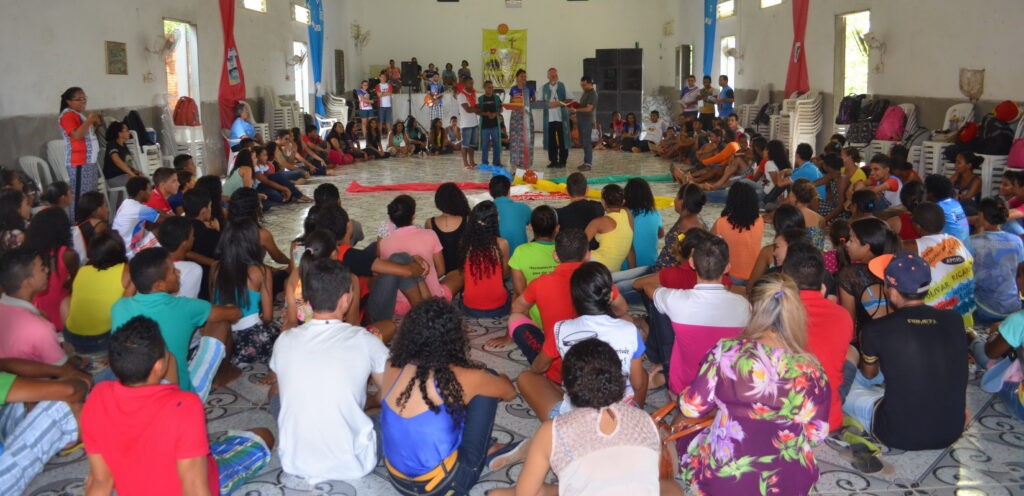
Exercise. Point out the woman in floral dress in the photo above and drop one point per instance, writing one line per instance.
(772, 402)
(520, 126)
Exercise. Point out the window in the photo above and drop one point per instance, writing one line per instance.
(726, 8)
(729, 61)
(300, 71)
(769, 3)
(257, 5)
(300, 14)
(855, 53)
(181, 61)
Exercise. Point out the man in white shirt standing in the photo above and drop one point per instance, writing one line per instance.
(556, 121)
(384, 91)
(470, 122)
(322, 369)
(688, 97)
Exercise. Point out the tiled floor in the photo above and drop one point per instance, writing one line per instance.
(988, 460)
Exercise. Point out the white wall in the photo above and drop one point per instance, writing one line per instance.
(49, 45)
(928, 41)
(559, 33)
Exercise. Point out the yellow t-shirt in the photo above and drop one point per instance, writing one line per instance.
(92, 294)
(615, 245)
(858, 176)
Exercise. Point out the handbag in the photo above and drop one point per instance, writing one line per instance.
(669, 432)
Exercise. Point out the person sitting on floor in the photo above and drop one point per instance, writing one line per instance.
(145, 436)
(653, 133)
(156, 280)
(485, 268)
(613, 231)
(322, 368)
(513, 216)
(601, 447)
(40, 404)
(134, 219)
(437, 405)
(176, 236)
(933, 378)
(580, 210)
(950, 263)
(998, 258)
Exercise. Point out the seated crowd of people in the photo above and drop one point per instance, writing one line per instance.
(866, 309)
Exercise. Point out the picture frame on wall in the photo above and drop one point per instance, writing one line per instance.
(116, 58)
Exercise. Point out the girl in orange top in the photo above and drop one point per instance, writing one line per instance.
(485, 265)
(742, 229)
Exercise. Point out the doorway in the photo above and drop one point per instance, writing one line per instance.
(852, 54)
(300, 74)
(181, 63)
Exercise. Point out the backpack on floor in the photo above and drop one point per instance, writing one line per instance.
(849, 109)
(892, 125)
(874, 110)
(134, 122)
(1015, 159)
(186, 112)
(861, 132)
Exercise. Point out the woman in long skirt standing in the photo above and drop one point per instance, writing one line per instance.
(81, 149)
(520, 129)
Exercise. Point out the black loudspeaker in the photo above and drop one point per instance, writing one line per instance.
(608, 79)
(607, 57)
(409, 74)
(590, 68)
(631, 57)
(632, 79)
(631, 101)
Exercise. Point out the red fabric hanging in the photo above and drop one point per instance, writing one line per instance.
(796, 76)
(232, 80)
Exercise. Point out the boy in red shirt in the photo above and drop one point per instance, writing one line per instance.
(541, 383)
(829, 326)
(145, 437)
(165, 185)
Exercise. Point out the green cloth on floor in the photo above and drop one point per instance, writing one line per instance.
(620, 178)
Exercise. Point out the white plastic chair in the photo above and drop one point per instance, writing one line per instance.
(324, 124)
(37, 169)
(931, 151)
(748, 112)
(55, 155)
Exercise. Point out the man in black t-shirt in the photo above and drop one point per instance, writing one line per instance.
(580, 211)
(919, 353)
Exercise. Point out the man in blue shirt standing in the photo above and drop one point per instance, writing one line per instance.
(807, 169)
(512, 216)
(726, 97)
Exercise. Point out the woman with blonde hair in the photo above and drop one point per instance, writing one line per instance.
(772, 402)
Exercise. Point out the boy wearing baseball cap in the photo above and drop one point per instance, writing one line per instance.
(918, 351)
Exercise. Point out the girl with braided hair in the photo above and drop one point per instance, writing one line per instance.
(438, 408)
(485, 264)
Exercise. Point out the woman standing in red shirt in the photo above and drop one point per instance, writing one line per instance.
(81, 149)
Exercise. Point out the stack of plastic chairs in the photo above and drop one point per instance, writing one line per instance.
(800, 121)
(932, 161)
(748, 111)
(281, 113)
(336, 107)
(994, 166)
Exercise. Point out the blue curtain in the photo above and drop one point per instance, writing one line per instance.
(316, 48)
(710, 21)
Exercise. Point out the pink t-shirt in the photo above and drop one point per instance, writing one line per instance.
(27, 335)
(49, 300)
(700, 318)
(415, 240)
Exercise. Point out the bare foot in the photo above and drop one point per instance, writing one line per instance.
(498, 343)
(226, 374)
(269, 379)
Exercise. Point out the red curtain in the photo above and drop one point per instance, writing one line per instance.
(796, 77)
(232, 80)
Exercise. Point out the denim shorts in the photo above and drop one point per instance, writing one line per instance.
(470, 137)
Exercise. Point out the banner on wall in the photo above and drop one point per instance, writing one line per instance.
(710, 22)
(316, 49)
(503, 55)
(796, 76)
(232, 79)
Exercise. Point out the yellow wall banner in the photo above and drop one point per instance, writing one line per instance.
(503, 55)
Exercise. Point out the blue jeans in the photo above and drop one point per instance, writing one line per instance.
(384, 115)
(489, 136)
(1009, 396)
(285, 179)
(1014, 227)
(863, 399)
(623, 280)
(385, 287)
(588, 147)
(87, 344)
(472, 453)
(662, 336)
(476, 313)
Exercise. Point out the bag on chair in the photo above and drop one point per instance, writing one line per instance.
(668, 464)
(860, 132)
(134, 122)
(849, 109)
(874, 110)
(995, 137)
(892, 125)
(1015, 160)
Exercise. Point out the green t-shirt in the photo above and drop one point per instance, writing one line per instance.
(178, 318)
(6, 382)
(534, 259)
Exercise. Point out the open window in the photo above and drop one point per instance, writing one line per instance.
(729, 58)
(726, 8)
(300, 74)
(852, 53)
(181, 61)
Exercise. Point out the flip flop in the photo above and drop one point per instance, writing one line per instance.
(507, 455)
(864, 460)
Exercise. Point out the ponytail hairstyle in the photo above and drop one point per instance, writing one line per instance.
(777, 309)
(865, 200)
(974, 160)
(68, 95)
(853, 153)
(838, 233)
(55, 191)
(113, 130)
(319, 244)
(591, 289)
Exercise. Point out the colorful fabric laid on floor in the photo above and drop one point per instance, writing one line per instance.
(660, 202)
(355, 187)
(620, 178)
